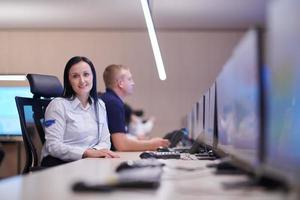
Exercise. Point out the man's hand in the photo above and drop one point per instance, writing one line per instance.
(159, 142)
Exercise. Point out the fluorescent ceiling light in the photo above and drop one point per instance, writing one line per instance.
(12, 77)
(153, 39)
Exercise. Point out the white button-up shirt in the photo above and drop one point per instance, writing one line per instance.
(70, 129)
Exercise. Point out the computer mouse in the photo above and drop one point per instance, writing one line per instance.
(147, 154)
(125, 165)
(163, 149)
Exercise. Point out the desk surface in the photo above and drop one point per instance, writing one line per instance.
(55, 183)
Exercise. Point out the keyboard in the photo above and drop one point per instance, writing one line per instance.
(187, 156)
(160, 155)
(133, 164)
(181, 149)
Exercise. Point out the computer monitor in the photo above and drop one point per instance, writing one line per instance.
(206, 110)
(225, 115)
(9, 117)
(282, 158)
(203, 116)
(193, 121)
(239, 89)
(200, 120)
(209, 136)
(197, 127)
(198, 116)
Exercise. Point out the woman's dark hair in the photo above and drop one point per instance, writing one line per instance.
(68, 90)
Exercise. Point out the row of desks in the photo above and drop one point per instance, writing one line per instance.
(181, 179)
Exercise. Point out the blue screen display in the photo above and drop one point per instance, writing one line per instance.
(283, 125)
(226, 115)
(9, 117)
(239, 102)
(209, 110)
(247, 100)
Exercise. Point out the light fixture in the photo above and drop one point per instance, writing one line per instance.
(153, 39)
(12, 77)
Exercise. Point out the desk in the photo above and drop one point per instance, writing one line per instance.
(55, 183)
(18, 142)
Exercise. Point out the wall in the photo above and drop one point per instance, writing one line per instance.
(192, 59)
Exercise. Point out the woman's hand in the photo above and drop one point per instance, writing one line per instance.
(101, 153)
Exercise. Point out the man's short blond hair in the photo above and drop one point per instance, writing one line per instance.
(111, 74)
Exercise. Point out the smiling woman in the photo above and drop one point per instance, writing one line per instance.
(81, 81)
(76, 125)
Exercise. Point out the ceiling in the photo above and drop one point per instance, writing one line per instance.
(127, 14)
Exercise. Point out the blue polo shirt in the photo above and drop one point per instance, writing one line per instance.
(115, 112)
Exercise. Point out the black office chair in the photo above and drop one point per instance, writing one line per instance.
(31, 115)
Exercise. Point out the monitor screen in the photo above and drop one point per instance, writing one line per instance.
(283, 113)
(199, 118)
(225, 116)
(9, 117)
(197, 127)
(206, 115)
(209, 133)
(194, 120)
(239, 104)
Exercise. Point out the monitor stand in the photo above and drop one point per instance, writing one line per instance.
(270, 183)
(225, 166)
(209, 155)
(198, 148)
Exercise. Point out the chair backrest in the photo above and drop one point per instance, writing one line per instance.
(47, 86)
(31, 114)
(32, 139)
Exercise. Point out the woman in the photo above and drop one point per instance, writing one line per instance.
(76, 124)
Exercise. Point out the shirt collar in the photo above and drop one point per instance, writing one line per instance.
(75, 103)
(108, 90)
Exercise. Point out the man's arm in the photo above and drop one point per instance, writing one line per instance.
(124, 143)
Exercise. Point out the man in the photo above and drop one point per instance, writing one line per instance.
(119, 84)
